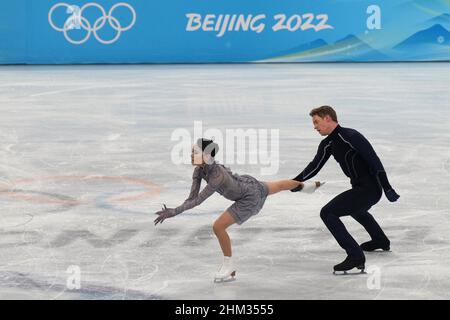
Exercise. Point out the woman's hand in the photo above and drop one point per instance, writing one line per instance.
(164, 214)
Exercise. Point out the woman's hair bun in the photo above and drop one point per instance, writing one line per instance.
(208, 146)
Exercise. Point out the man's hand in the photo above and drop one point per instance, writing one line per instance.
(391, 195)
(298, 188)
(164, 214)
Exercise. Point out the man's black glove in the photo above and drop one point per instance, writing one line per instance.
(391, 195)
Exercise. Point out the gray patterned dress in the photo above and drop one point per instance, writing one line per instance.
(248, 193)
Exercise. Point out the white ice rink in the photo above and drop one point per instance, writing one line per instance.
(85, 161)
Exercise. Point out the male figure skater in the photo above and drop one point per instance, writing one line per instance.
(368, 178)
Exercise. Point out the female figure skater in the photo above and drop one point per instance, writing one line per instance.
(248, 193)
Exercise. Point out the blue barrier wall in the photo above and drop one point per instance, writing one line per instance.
(200, 31)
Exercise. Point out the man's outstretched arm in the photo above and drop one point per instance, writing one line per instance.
(322, 156)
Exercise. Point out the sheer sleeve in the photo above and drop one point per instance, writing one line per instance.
(215, 180)
(196, 182)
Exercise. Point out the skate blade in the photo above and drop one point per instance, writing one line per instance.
(347, 273)
(230, 278)
(380, 250)
(350, 272)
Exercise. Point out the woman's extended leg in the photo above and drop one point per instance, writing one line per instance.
(282, 185)
(220, 229)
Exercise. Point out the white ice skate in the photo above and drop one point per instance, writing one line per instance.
(311, 186)
(226, 272)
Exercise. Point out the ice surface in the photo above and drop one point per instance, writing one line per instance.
(85, 162)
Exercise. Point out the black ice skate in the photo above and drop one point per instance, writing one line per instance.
(373, 245)
(348, 264)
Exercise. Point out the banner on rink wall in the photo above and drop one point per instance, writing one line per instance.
(199, 31)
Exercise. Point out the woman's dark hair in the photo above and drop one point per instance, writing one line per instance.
(208, 146)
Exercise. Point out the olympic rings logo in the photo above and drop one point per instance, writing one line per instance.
(77, 21)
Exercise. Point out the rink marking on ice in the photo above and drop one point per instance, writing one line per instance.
(102, 202)
(25, 281)
(124, 268)
(48, 93)
(166, 284)
(10, 189)
(47, 197)
(147, 276)
(31, 217)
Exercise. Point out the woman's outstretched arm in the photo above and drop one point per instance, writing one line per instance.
(196, 182)
(195, 198)
(187, 204)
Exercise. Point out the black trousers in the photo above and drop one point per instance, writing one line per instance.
(355, 202)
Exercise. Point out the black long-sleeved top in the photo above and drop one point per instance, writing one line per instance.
(354, 154)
